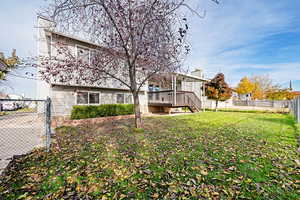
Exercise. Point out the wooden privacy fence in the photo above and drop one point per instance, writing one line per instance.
(296, 108)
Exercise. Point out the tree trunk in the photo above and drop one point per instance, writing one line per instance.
(137, 110)
(217, 103)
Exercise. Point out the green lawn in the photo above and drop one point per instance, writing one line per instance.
(208, 155)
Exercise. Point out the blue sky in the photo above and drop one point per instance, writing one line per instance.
(238, 38)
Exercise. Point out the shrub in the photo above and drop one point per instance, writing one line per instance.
(84, 112)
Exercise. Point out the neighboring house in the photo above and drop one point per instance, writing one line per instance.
(241, 97)
(3, 96)
(245, 97)
(15, 96)
(184, 91)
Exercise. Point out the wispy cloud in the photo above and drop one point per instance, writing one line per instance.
(235, 35)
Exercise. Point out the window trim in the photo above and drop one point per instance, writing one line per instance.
(87, 91)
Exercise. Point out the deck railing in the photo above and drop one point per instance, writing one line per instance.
(183, 99)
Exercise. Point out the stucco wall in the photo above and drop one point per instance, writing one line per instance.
(64, 98)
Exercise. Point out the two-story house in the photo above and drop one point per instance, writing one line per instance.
(182, 90)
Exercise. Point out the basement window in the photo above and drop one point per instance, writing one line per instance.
(87, 98)
(120, 98)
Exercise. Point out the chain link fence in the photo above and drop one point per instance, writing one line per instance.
(24, 125)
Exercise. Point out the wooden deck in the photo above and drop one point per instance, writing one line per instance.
(175, 100)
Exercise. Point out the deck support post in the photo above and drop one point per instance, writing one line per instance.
(174, 89)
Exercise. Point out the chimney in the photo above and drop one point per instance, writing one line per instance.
(45, 23)
(14, 53)
(198, 72)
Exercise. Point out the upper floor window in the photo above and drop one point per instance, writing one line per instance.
(83, 54)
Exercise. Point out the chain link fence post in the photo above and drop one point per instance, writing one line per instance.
(48, 123)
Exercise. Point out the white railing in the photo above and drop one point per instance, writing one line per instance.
(295, 108)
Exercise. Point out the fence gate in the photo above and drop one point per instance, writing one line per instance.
(24, 125)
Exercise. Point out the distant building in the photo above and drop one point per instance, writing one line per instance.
(15, 96)
(3, 96)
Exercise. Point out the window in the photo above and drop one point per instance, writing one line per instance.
(93, 56)
(94, 98)
(129, 99)
(88, 98)
(120, 98)
(83, 54)
(82, 98)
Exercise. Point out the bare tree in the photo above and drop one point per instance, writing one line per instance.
(138, 39)
(265, 83)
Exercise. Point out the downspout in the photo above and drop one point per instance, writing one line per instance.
(174, 90)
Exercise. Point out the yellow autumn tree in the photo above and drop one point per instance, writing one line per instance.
(257, 93)
(245, 86)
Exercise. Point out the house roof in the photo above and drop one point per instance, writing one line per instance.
(92, 87)
(73, 37)
(191, 77)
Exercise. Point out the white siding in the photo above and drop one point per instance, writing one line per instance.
(64, 98)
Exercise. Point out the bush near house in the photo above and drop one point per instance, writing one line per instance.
(105, 110)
